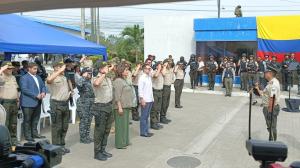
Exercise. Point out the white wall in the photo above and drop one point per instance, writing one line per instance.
(165, 35)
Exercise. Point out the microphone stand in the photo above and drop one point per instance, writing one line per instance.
(271, 136)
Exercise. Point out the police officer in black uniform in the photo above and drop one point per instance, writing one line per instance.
(275, 63)
(193, 71)
(285, 72)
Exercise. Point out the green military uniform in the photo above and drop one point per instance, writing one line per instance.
(102, 111)
(272, 88)
(178, 85)
(157, 85)
(60, 113)
(84, 104)
(9, 99)
(168, 80)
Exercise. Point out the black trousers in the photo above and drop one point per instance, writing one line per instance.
(193, 78)
(31, 120)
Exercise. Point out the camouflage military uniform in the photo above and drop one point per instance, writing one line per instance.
(84, 104)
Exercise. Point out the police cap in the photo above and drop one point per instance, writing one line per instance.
(8, 63)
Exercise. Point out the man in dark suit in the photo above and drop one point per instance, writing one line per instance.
(33, 90)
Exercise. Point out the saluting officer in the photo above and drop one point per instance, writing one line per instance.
(179, 82)
(9, 99)
(136, 74)
(272, 88)
(59, 105)
(211, 67)
(102, 110)
(157, 85)
(168, 75)
(84, 104)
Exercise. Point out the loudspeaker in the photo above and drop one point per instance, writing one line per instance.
(292, 105)
(267, 150)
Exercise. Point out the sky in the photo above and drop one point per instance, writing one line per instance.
(113, 20)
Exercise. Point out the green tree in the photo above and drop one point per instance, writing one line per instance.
(134, 40)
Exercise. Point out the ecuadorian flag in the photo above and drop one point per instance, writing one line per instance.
(278, 35)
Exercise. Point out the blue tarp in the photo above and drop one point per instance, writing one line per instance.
(20, 35)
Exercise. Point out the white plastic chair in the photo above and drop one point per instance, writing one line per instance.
(44, 112)
(2, 115)
(20, 120)
(74, 107)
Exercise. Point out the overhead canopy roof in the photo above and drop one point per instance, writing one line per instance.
(20, 35)
(12, 6)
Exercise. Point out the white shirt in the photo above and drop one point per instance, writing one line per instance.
(201, 65)
(145, 88)
(273, 88)
(36, 81)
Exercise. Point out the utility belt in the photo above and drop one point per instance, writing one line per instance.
(275, 106)
(62, 102)
(157, 90)
(104, 104)
(252, 72)
(243, 71)
(230, 77)
(87, 97)
(12, 101)
(167, 86)
(179, 79)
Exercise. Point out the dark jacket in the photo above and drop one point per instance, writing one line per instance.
(29, 90)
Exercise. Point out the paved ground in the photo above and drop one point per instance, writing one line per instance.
(210, 128)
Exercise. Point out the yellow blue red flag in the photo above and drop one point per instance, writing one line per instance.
(278, 35)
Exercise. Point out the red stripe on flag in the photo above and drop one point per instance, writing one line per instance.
(280, 56)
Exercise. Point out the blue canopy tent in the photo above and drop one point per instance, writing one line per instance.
(20, 35)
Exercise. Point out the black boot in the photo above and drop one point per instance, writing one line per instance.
(103, 151)
(164, 120)
(100, 156)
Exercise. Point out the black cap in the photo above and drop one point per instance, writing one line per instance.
(68, 60)
(86, 69)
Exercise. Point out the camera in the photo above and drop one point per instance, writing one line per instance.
(31, 155)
